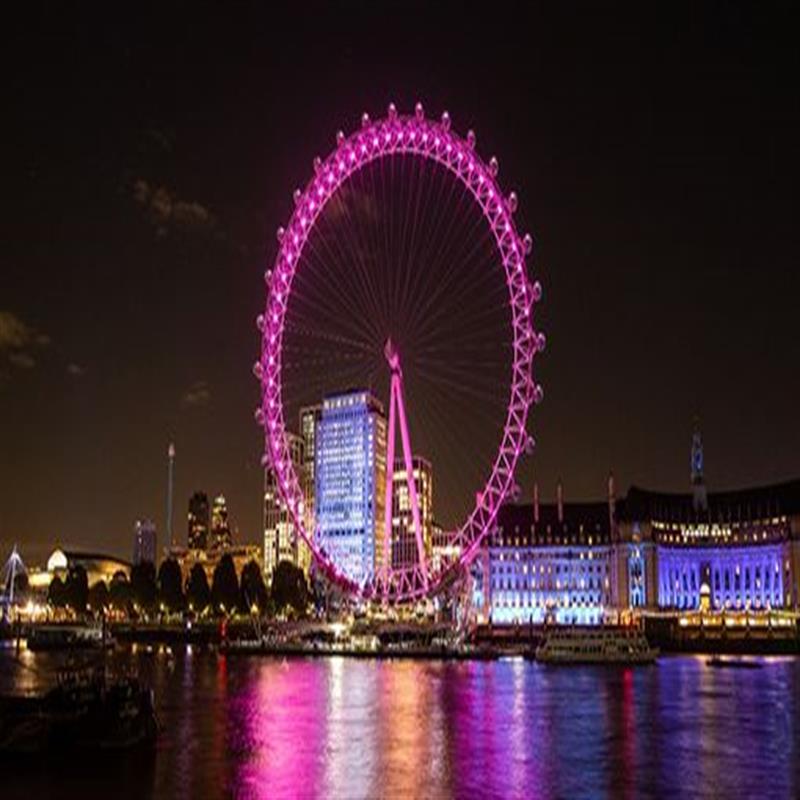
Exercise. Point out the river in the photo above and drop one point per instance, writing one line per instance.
(250, 727)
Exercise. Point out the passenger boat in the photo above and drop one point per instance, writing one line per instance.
(68, 637)
(719, 662)
(602, 645)
(84, 711)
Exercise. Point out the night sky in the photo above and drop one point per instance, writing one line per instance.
(149, 156)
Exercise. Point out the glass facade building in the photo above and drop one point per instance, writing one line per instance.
(350, 476)
(281, 542)
(197, 535)
(144, 541)
(404, 540)
(220, 535)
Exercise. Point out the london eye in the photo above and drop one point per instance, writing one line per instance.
(401, 273)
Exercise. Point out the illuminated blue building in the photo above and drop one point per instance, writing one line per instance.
(740, 549)
(548, 562)
(350, 475)
(725, 552)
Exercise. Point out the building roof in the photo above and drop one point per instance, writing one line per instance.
(741, 505)
(582, 522)
(370, 400)
(78, 555)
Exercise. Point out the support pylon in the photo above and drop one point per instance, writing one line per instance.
(396, 406)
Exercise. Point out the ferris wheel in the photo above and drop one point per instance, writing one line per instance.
(401, 268)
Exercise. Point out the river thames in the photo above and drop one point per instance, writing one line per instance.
(250, 727)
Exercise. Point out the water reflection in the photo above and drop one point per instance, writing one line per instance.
(335, 728)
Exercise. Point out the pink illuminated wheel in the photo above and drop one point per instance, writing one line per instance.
(426, 141)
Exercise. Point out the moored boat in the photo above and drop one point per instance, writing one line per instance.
(719, 662)
(68, 637)
(604, 645)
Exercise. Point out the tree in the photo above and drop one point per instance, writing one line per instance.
(197, 592)
(170, 585)
(225, 585)
(98, 596)
(76, 589)
(289, 587)
(326, 594)
(120, 592)
(143, 585)
(55, 593)
(253, 592)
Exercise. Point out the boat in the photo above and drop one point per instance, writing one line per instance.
(68, 637)
(719, 662)
(605, 645)
(84, 711)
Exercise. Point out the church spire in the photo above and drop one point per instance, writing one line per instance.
(699, 497)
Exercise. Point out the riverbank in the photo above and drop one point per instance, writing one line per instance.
(397, 640)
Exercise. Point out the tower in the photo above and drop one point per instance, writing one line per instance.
(220, 527)
(281, 540)
(350, 473)
(144, 541)
(699, 496)
(197, 534)
(403, 541)
(309, 423)
(170, 486)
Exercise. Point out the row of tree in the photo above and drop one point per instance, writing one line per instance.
(150, 592)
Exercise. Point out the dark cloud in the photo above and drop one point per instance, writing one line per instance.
(19, 340)
(22, 360)
(164, 140)
(76, 370)
(15, 334)
(198, 394)
(166, 211)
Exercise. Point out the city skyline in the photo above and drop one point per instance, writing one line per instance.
(659, 240)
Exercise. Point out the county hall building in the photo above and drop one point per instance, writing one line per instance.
(583, 563)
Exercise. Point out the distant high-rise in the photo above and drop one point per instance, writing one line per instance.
(350, 473)
(170, 488)
(197, 537)
(404, 540)
(144, 541)
(281, 542)
(220, 528)
(309, 422)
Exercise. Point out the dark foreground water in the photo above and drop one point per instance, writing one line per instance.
(335, 728)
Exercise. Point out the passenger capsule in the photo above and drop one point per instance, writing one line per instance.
(527, 244)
